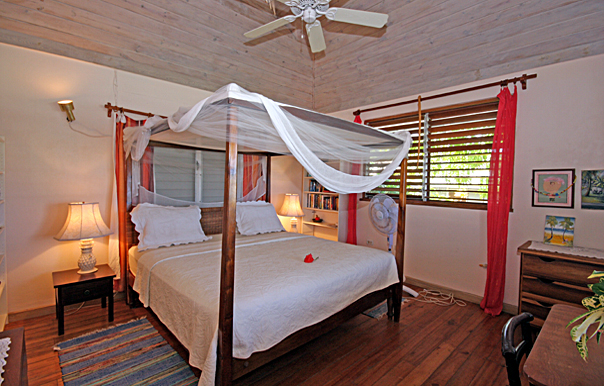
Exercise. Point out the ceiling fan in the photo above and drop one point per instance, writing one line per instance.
(310, 10)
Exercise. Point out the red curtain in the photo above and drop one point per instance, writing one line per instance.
(500, 196)
(120, 177)
(351, 234)
(252, 170)
(147, 180)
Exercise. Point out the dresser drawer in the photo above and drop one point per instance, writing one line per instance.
(555, 290)
(86, 291)
(558, 270)
(539, 311)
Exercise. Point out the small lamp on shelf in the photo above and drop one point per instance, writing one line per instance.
(291, 208)
(84, 223)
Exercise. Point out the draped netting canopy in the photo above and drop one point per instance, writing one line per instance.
(325, 146)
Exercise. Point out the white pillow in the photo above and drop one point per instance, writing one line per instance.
(255, 217)
(162, 226)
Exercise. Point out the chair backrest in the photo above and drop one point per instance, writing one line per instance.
(513, 353)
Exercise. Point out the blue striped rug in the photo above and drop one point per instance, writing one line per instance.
(133, 353)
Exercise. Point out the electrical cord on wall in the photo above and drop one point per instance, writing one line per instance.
(89, 133)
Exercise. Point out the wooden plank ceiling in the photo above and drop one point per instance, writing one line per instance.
(427, 44)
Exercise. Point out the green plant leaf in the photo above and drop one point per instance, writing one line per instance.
(593, 302)
(597, 288)
(594, 314)
(601, 320)
(582, 347)
(578, 317)
(596, 274)
(582, 328)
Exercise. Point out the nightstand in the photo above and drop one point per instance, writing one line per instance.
(71, 288)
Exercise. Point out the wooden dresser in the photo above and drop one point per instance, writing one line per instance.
(15, 369)
(548, 278)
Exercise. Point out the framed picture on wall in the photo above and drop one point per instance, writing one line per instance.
(592, 189)
(559, 231)
(554, 188)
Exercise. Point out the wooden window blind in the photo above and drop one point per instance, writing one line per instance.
(449, 160)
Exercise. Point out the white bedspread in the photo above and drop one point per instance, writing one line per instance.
(276, 293)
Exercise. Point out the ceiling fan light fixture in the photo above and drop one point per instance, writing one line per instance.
(310, 11)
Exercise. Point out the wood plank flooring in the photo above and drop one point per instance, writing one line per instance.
(431, 346)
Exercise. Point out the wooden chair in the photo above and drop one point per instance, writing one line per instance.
(513, 354)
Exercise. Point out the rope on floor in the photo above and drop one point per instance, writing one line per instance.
(439, 298)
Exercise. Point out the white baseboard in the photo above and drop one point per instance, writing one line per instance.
(507, 308)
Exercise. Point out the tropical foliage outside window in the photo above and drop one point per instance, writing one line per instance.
(449, 161)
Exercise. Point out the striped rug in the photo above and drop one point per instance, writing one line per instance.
(133, 353)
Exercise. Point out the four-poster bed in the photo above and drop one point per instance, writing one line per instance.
(274, 129)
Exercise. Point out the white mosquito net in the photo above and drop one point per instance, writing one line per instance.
(172, 176)
(325, 146)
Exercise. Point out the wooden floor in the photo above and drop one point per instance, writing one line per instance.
(431, 346)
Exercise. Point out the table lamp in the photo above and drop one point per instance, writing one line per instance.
(291, 208)
(84, 223)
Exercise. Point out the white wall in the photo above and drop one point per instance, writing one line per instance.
(559, 125)
(48, 165)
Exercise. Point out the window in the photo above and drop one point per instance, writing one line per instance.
(450, 157)
(193, 175)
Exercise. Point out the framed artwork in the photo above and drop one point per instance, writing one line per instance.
(592, 189)
(559, 231)
(554, 188)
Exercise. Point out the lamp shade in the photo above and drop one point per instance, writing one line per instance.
(291, 206)
(84, 221)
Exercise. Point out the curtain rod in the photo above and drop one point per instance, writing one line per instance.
(522, 79)
(111, 108)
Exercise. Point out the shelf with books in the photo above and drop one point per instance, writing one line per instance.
(318, 201)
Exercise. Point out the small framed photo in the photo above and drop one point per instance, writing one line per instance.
(554, 188)
(559, 231)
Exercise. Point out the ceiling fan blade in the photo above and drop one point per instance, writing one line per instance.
(263, 29)
(315, 37)
(352, 16)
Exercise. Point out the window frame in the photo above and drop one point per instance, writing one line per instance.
(405, 121)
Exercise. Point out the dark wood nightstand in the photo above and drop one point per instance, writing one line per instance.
(71, 288)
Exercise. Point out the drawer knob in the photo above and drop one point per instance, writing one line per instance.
(86, 292)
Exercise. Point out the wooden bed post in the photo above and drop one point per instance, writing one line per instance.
(400, 241)
(224, 365)
(268, 179)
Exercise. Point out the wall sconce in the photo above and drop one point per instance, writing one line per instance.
(67, 106)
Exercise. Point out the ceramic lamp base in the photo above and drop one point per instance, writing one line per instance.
(294, 225)
(85, 272)
(87, 260)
